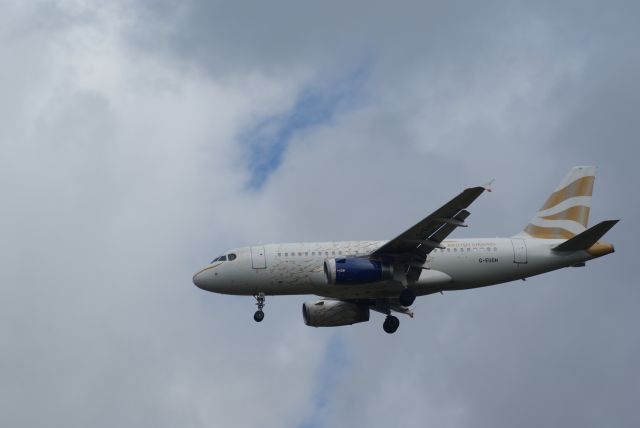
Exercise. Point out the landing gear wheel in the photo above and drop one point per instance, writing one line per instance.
(259, 315)
(407, 297)
(391, 324)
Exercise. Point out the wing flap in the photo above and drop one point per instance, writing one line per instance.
(449, 227)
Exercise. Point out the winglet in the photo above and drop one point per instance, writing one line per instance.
(588, 238)
(487, 186)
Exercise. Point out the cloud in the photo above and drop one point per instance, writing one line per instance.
(267, 140)
(131, 132)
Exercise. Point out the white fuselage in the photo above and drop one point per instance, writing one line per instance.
(298, 268)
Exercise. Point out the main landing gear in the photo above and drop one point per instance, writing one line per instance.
(391, 324)
(259, 314)
(407, 297)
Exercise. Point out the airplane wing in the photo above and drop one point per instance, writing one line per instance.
(412, 246)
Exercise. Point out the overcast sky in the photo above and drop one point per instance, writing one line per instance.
(140, 139)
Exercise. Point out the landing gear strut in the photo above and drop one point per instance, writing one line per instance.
(391, 324)
(259, 315)
(407, 297)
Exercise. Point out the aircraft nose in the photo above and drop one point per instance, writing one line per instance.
(200, 279)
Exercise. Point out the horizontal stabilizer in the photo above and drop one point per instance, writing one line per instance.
(586, 239)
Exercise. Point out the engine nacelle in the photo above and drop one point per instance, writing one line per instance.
(333, 313)
(348, 271)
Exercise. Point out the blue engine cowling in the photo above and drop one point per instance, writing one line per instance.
(349, 271)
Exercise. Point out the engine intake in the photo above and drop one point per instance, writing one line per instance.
(333, 313)
(350, 271)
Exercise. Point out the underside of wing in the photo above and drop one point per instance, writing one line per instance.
(413, 245)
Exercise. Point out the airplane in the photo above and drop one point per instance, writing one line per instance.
(354, 277)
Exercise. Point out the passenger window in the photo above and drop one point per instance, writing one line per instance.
(286, 254)
(231, 257)
(448, 250)
(488, 249)
(333, 253)
(313, 253)
(495, 248)
(306, 253)
(340, 252)
(326, 253)
(279, 254)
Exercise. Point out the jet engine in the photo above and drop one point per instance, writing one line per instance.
(333, 313)
(348, 271)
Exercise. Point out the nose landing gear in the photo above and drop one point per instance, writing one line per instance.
(259, 314)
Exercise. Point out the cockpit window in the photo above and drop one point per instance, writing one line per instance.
(224, 258)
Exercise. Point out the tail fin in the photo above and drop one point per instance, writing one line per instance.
(565, 214)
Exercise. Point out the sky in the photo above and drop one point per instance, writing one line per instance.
(141, 139)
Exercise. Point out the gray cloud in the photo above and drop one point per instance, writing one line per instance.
(124, 169)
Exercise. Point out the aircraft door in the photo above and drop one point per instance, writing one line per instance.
(519, 251)
(258, 259)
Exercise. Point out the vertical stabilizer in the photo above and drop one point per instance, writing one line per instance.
(566, 212)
